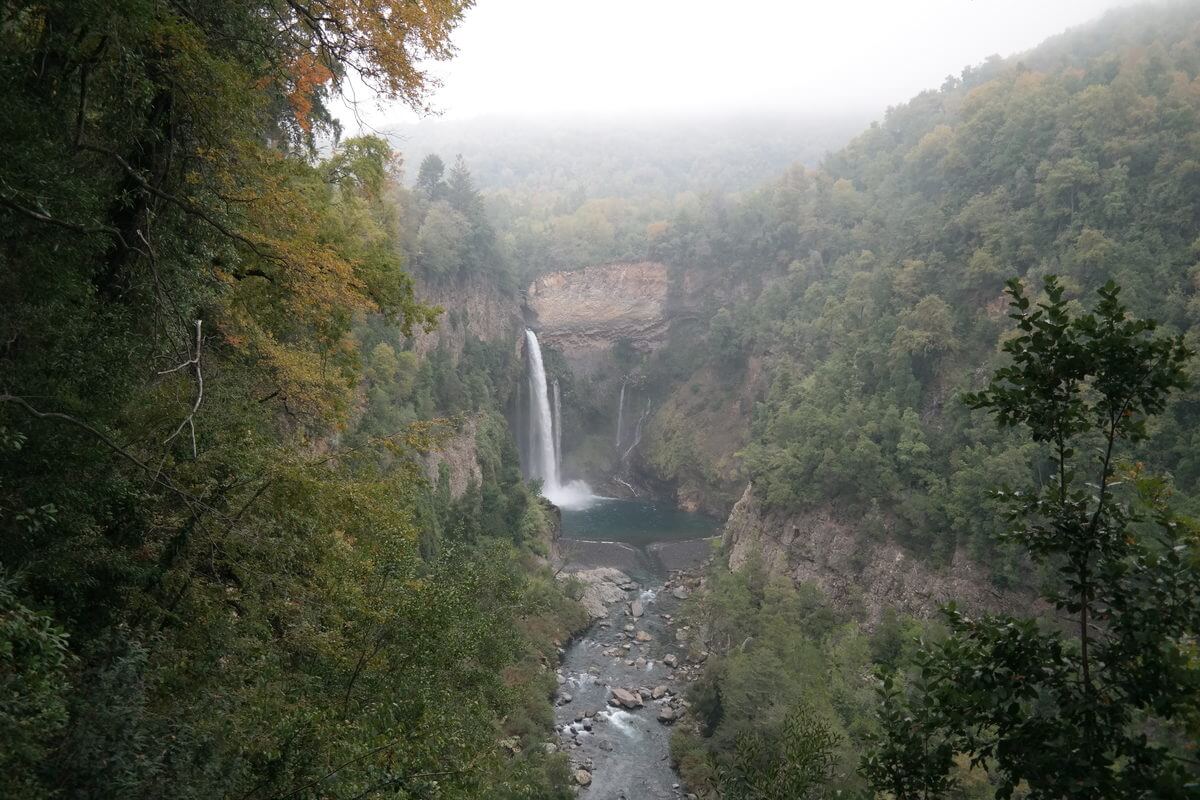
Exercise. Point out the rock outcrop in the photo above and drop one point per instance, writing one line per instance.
(459, 453)
(601, 588)
(585, 312)
(474, 307)
(858, 574)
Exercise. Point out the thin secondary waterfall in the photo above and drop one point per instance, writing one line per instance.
(542, 463)
(620, 416)
(557, 430)
(637, 430)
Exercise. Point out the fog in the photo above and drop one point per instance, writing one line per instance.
(572, 57)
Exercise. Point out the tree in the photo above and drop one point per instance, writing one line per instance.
(794, 765)
(430, 183)
(1088, 710)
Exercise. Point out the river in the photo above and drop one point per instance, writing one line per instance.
(626, 751)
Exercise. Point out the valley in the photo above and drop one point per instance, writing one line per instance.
(834, 439)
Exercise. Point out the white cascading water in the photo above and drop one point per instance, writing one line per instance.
(620, 416)
(544, 461)
(557, 428)
(637, 431)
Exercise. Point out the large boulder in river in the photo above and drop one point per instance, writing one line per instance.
(583, 777)
(635, 608)
(625, 698)
(601, 588)
(681, 593)
(642, 636)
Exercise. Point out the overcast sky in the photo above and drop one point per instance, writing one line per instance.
(557, 57)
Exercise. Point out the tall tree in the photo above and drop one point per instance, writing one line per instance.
(431, 184)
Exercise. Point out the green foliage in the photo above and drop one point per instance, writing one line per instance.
(227, 574)
(795, 764)
(34, 658)
(785, 701)
(1100, 712)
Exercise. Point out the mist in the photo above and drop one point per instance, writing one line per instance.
(565, 58)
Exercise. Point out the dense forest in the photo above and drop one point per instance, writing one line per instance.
(268, 528)
(226, 573)
(872, 286)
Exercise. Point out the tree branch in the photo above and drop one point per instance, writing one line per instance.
(186, 205)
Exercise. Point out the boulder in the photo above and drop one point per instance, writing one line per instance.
(671, 660)
(681, 593)
(659, 692)
(635, 608)
(565, 698)
(666, 715)
(602, 587)
(626, 698)
(583, 777)
(642, 636)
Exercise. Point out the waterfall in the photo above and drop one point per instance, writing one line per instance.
(637, 431)
(545, 435)
(620, 416)
(542, 462)
(557, 429)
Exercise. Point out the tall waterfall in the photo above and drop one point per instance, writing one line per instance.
(545, 435)
(542, 463)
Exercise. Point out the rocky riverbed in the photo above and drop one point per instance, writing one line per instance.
(621, 685)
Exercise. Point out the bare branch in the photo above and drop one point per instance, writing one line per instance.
(191, 500)
(194, 364)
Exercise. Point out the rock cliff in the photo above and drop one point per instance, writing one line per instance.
(585, 312)
(858, 574)
(458, 452)
(474, 307)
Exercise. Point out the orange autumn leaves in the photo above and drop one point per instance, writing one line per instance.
(308, 74)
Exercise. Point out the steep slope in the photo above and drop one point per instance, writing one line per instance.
(870, 289)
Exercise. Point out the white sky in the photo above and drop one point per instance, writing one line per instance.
(562, 57)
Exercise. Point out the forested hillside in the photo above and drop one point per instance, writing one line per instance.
(857, 303)
(575, 192)
(225, 570)
(871, 288)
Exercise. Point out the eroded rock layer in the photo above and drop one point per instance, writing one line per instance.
(587, 311)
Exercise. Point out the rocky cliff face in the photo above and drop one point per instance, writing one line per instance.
(585, 312)
(858, 574)
(459, 454)
(474, 307)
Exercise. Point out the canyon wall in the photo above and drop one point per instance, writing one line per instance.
(584, 313)
(859, 574)
(475, 307)
(458, 452)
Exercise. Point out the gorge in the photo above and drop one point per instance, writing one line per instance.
(732, 455)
